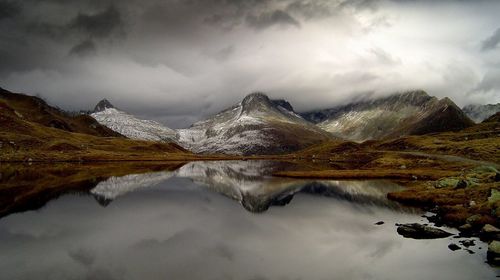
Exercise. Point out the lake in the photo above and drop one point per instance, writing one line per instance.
(213, 220)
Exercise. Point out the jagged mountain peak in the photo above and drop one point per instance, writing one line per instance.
(256, 101)
(260, 101)
(103, 105)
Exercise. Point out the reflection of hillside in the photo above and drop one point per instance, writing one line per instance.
(30, 187)
(248, 182)
(113, 187)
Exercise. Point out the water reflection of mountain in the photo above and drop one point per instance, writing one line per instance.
(113, 187)
(249, 183)
(29, 187)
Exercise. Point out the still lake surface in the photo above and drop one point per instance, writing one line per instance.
(225, 220)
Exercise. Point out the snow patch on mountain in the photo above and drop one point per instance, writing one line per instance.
(132, 127)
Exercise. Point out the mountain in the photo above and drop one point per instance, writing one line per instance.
(409, 113)
(479, 113)
(256, 125)
(35, 109)
(130, 126)
(32, 130)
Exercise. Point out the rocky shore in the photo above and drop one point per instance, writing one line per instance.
(469, 202)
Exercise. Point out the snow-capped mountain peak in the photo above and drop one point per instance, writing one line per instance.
(256, 125)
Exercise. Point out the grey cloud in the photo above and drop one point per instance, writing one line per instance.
(85, 48)
(9, 9)
(490, 82)
(492, 41)
(267, 19)
(98, 25)
(312, 9)
(183, 60)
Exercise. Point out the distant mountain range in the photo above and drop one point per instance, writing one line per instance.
(479, 113)
(258, 124)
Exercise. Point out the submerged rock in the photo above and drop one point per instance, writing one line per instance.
(418, 231)
(453, 247)
(468, 243)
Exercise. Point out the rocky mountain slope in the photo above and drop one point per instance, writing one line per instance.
(32, 130)
(409, 113)
(479, 113)
(130, 126)
(257, 125)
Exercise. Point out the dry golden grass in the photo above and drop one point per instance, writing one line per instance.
(400, 174)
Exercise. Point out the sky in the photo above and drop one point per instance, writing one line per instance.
(178, 61)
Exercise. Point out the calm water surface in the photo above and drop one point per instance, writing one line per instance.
(226, 220)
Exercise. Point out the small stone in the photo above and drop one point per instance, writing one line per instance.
(379, 223)
(402, 166)
(474, 219)
(490, 232)
(446, 183)
(453, 247)
(472, 203)
(493, 254)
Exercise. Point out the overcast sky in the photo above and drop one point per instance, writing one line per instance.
(180, 60)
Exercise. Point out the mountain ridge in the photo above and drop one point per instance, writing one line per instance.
(130, 126)
(399, 114)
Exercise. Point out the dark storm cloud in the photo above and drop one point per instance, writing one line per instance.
(492, 41)
(9, 9)
(267, 19)
(98, 25)
(178, 61)
(312, 9)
